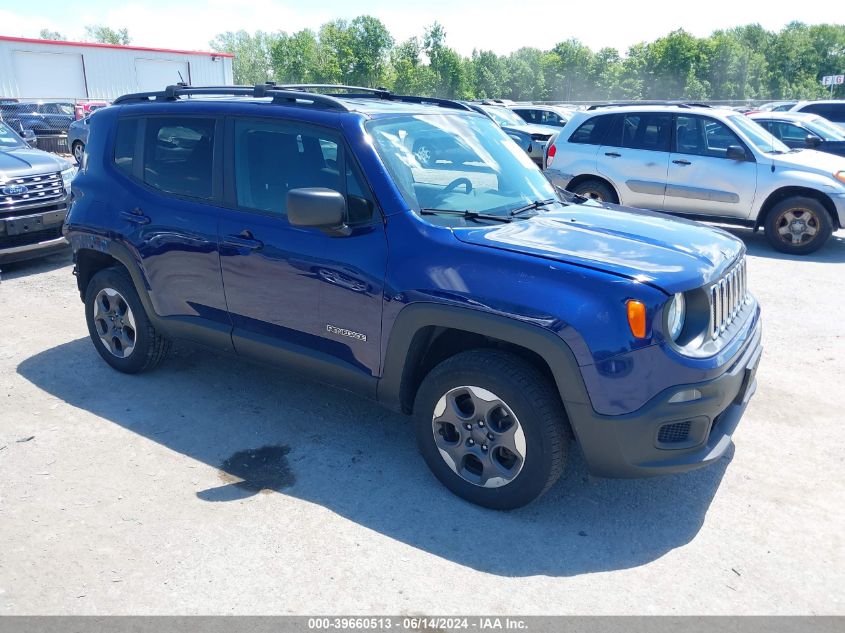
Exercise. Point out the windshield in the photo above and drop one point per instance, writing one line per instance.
(503, 116)
(457, 162)
(8, 139)
(758, 136)
(824, 128)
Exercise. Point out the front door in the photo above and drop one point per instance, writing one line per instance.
(702, 179)
(299, 292)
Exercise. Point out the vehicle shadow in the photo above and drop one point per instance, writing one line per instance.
(832, 252)
(35, 266)
(360, 461)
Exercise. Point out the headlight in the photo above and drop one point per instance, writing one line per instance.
(840, 176)
(675, 315)
(67, 177)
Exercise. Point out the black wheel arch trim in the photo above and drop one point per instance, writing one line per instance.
(400, 355)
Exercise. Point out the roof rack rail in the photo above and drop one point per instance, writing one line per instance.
(288, 94)
(279, 94)
(621, 104)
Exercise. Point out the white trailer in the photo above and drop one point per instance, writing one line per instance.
(46, 69)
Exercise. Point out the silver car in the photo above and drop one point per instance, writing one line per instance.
(708, 164)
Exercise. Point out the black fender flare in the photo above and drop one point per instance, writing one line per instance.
(412, 319)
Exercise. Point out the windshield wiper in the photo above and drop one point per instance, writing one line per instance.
(532, 206)
(469, 215)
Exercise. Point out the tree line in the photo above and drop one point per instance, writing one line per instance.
(742, 63)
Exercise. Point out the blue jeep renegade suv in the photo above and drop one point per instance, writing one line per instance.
(293, 226)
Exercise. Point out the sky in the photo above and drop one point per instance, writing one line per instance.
(496, 25)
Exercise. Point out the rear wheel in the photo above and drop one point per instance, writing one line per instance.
(798, 225)
(596, 190)
(118, 324)
(491, 428)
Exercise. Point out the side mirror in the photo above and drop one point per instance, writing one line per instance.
(29, 137)
(812, 140)
(735, 152)
(318, 208)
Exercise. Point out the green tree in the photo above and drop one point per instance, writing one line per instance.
(487, 75)
(47, 34)
(525, 79)
(295, 58)
(409, 74)
(252, 62)
(107, 35)
(370, 43)
(446, 64)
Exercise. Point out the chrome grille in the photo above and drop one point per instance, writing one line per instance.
(727, 297)
(42, 188)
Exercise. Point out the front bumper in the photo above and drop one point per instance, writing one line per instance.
(670, 437)
(839, 203)
(32, 233)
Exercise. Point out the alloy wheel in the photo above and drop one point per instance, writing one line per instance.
(797, 226)
(478, 436)
(115, 322)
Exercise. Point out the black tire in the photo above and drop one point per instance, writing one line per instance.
(77, 149)
(597, 190)
(532, 399)
(798, 209)
(150, 347)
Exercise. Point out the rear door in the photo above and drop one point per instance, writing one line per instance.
(702, 180)
(167, 213)
(291, 289)
(635, 157)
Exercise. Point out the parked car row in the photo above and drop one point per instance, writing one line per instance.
(707, 164)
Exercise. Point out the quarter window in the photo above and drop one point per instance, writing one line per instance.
(124, 145)
(179, 155)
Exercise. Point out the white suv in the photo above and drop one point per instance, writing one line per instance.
(709, 164)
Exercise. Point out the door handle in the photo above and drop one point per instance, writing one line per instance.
(614, 154)
(682, 162)
(136, 216)
(244, 239)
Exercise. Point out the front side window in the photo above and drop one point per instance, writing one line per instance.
(788, 133)
(552, 118)
(8, 139)
(179, 155)
(703, 136)
(470, 164)
(830, 111)
(529, 116)
(271, 158)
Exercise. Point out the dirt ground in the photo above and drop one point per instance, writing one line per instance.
(119, 494)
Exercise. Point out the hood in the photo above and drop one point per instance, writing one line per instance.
(28, 161)
(670, 253)
(819, 162)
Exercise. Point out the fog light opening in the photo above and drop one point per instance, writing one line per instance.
(687, 395)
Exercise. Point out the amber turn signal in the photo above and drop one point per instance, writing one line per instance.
(636, 317)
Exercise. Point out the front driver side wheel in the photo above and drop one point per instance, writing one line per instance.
(798, 225)
(118, 324)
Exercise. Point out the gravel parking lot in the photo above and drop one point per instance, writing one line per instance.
(120, 494)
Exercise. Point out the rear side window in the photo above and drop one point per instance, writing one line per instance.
(179, 155)
(124, 145)
(529, 116)
(642, 130)
(592, 131)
